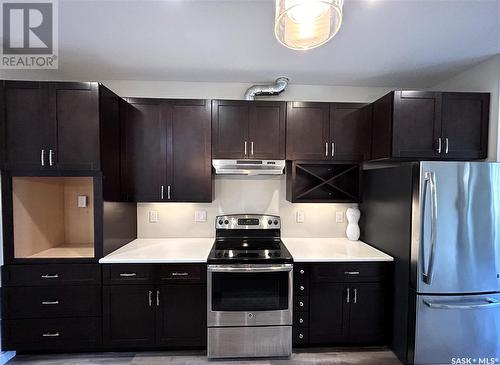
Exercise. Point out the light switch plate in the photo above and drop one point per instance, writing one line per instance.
(300, 216)
(153, 216)
(339, 216)
(82, 201)
(200, 216)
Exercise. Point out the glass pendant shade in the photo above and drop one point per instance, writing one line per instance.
(306, 24)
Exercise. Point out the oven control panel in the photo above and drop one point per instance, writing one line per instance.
(247, 221)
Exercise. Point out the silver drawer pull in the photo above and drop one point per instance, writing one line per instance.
(351, 272)
(128, 274)
(55, 302)
(301, 336)
(49, 334)
(180, 274)
(301, 320)
(302, 288)
(301, 304)
(302, 272)
(49, 276)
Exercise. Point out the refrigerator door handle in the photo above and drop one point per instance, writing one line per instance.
(430, 178)
(489, 303)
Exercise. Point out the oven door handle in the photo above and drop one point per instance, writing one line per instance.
(249, 269)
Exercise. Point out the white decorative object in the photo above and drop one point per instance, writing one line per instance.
(352, 231)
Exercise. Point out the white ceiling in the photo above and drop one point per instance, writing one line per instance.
(404, 43)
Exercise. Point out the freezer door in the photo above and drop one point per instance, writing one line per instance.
(457, 327)
(457, 231)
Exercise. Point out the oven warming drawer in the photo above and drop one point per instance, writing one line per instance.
(269, 341)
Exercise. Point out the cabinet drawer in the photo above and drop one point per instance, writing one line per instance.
(190, 273)
(301, 303)
(301, 319)
(128, 273)
(51, 334)
(348, 272)
(51, 301)
(51, 274)
(300, 335)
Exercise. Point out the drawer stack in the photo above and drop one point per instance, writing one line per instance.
(301, 304)
(51, 307)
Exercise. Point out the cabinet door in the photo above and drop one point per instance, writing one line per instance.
(465, 125)
(327, 308)
(24, 127)
(74, 115)
(145, 150)
(307, 131)
(189, 151)
(416, 124)
(367, 313)
(267, 131)
(129, 316)
(183, 315)
(350, 131)
(230, 129)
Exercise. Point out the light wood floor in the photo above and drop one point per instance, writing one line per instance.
(311, 357)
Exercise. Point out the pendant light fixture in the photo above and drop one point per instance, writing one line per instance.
(306, 24)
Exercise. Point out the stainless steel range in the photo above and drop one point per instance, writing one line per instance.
(250, 275)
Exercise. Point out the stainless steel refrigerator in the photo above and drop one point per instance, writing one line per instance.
(441, 222)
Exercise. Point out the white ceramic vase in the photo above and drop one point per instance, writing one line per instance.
(352, 231)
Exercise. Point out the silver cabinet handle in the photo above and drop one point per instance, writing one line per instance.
(49, 276)
(301, 304)
(251, 148)
(49, 334)
(429, 178)
(42, 157)
(128, 274)
(301, 320)
(301, 336)
(326, 149)
(488, 303)
(51, 157)
(439, 145)
(302, 272)
(333, 149)
(245, 148)
(351, 272)
(446, 145)
(348, 295)
(157, 298)
(162, 192)
(55, 302)
(302, 288)
(150, 298)
(355, 295)
(168, 192)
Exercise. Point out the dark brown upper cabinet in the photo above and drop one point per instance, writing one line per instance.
(328, 131)
(248, 129)
(430, 125)
(51, 125)
(167, 153)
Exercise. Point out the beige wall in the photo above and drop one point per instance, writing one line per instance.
(256, 194)
(484, 77)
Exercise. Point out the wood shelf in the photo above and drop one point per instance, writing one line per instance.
(322, 182)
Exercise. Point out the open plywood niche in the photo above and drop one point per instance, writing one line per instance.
(47, 220)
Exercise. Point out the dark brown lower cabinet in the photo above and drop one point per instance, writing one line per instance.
(129, 316)
(347, 304)
(155, 314)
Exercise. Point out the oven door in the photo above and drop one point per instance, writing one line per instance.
(249, 295)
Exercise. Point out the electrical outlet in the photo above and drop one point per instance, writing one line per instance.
(153, 216)
(82, 201)
(339, 217)
(300, 216)
(200, 216)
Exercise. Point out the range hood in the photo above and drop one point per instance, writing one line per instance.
(248, 167)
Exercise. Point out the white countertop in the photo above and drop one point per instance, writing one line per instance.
(161, 250)
(332, 250)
